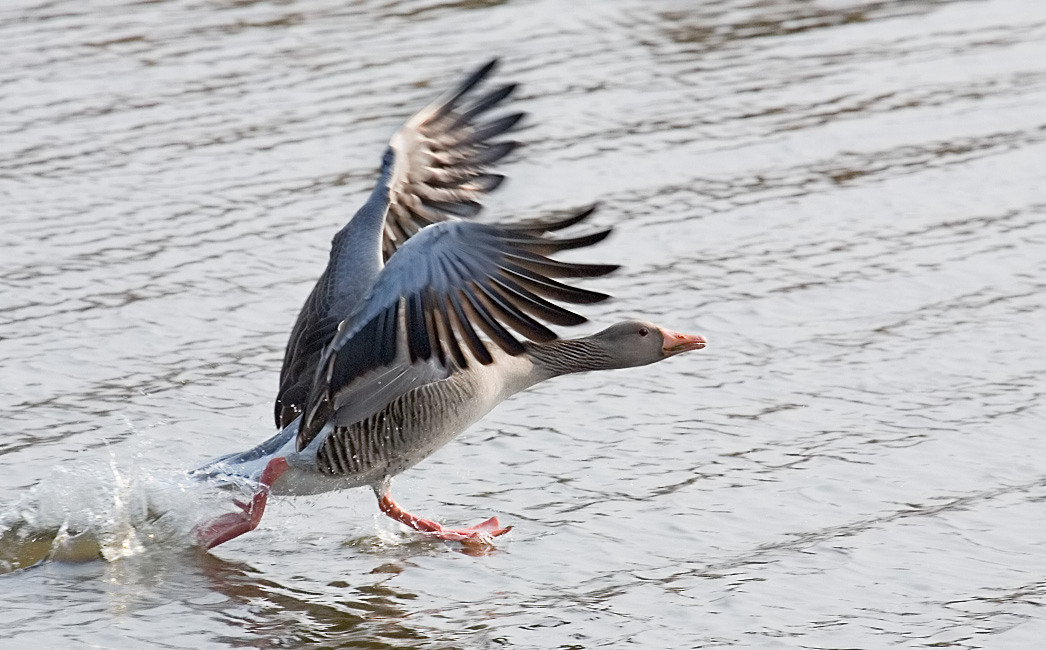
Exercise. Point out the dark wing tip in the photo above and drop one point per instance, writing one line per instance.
(493, 128)
(583, 240)
(447, 150)
(478, 75)
(491, 152)
(486, 68)
(483, 104)
(464, 208)
(552, 224)
(466, 86)
(486, 182)
(571, 220)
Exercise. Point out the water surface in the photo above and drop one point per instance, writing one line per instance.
(846, 198)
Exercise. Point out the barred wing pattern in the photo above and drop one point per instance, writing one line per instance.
(435, 169)
(442, 157)
(443, 284)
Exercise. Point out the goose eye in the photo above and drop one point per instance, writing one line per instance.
(643, 331)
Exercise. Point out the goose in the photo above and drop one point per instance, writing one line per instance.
(385, 364)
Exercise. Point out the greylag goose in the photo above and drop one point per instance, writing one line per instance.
(385, 365)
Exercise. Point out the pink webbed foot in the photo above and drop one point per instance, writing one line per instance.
(233, 524)
(482, 533)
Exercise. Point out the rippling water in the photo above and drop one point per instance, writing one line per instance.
(846, 197)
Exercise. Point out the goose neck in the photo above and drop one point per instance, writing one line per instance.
(566, 356)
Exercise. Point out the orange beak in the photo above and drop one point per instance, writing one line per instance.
(676, 343)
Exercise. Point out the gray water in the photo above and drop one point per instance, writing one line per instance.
(845, 197)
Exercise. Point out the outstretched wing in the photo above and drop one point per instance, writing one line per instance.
(442, 155)
(420, 320)
(436, 168)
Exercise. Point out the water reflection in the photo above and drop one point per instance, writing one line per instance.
(279, 615)
(254, 610)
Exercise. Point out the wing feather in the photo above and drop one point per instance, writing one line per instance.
(425, 306)
(437, 168)
(442, 155)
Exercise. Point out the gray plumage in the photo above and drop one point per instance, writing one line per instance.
(423, 321)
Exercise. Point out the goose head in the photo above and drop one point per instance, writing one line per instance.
(638, 343)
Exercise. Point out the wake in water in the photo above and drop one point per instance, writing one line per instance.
(85, 512)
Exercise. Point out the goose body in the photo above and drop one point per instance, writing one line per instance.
(405, 340)
(402, 434)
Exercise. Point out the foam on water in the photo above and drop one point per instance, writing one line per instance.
(845, 196)
(107, 509)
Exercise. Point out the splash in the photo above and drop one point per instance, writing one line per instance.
(84, 512)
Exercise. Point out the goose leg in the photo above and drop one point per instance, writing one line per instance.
(233, 524)
(482, 532)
